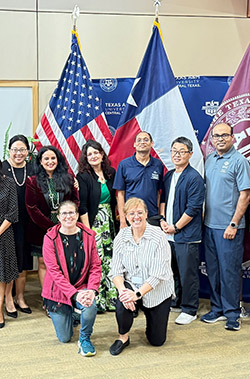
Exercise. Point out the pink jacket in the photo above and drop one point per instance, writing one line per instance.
(56, 285)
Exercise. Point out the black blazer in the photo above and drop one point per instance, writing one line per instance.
(90, 193)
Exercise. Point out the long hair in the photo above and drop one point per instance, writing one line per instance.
(63, 181)
(83, 161)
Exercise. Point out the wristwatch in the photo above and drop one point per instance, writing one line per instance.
(233, 225)
(139, 295)
(177, 230)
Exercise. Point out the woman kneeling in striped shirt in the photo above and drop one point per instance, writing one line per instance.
(141, 272)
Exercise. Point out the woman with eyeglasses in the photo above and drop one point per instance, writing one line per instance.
(45, 191)
(141, 272)
(8, 216)
(19, 169)
(72, 279)
(97, 211)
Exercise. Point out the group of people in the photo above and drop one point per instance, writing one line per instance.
(87, 265)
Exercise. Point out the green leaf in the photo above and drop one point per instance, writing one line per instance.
(6, 140)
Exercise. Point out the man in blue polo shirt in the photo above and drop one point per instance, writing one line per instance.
(139, 176)
(227, 175)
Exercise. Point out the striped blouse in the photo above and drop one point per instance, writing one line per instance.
(150, 260)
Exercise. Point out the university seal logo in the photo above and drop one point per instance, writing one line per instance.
(235, 111)
(210, 107)
(108, 85)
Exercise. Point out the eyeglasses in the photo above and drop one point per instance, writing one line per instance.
(65, 214)
(179, 152)
(223, 136)
(15, 150)
(139, 213)
(139, 140)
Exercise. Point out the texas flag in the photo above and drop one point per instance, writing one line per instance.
(154, 105)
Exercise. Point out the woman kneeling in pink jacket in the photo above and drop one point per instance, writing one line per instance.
(72, 277)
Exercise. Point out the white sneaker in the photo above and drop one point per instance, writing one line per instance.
(185, 318)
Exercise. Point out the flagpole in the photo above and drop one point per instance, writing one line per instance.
(156, 4)
(75, 16)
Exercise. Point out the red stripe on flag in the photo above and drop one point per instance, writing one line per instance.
(76, 151)
(51, 136)
(103, 128)
(123, 142)
(87, 133)
(73, 145)
(49, 132)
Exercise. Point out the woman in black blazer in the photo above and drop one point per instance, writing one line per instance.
(97, 211)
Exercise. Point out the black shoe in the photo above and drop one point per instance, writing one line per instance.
(11, 314)
(118, 346)
(24, 310)
(135, 313)
(2, 324)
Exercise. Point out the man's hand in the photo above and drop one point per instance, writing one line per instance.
(230, 233)
(168, 229)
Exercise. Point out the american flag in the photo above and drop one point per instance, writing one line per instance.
(74, 113)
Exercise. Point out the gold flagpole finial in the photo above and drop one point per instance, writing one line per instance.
(75, 15)
(157, 3)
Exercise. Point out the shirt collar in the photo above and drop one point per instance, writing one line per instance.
(228, 154)
(140, 164)
(129, 237)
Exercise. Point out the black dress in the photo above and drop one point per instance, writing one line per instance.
(9, 212)
(24, 258)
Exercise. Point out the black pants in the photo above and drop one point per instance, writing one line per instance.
(156, 320)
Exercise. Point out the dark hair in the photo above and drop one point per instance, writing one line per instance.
(83, 161)
(67, 202)
(19, 137)
(226, 123)
(143, 131)
(63, 181)
(185, 141)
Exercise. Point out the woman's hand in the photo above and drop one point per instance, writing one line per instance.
(129, 305)
(127, 295)
(86, 297)
(76, 184)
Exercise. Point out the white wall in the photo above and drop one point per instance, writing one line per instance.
(202, 37)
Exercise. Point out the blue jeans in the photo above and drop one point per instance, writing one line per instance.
(63, 323)
(224, 259)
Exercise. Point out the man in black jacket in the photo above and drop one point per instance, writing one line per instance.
(181, 205)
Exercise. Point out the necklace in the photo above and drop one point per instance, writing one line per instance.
(52, 195)
(100, 177)
(15, 178)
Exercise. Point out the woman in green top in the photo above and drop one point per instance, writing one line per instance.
(97, 211)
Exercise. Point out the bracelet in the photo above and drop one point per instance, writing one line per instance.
(177, 230)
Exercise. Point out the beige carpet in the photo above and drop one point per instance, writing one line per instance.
(29, 349)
